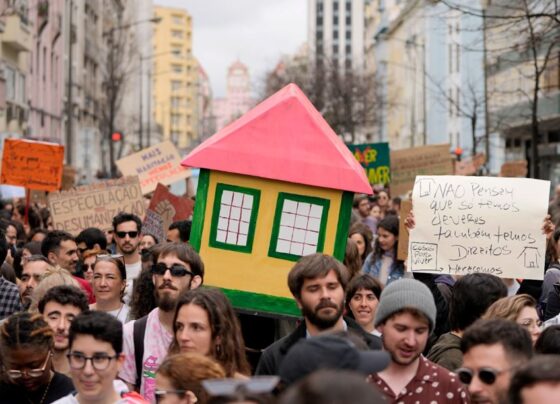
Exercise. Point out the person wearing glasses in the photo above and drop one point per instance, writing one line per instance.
(146, 340)
(406, 316)
(519, 308)
(206, 323)
(109, 284)
(127, 232)
(94, 358)
(26, 346)
(492, 351)
(59, 306)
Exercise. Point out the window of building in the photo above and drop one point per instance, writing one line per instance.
(335, 49)
(175, 85)
(10, 75)
(335, 20)
(450, 102)
(450, 57)
(457, 57)
(176, 34)
(348, 20)
(348, 34)
(299, 226)
(177, 19)
(348, 63)
(348, 49)
(234, 218)
(348, 5)
(175, 102)
(319, 21)
(177, 68)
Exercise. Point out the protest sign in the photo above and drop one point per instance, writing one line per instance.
(165, 208)
(32, 165)
(406, 164)
(470, 165)
(374, 157)
(479, 224)
(68, 177)
(157, 164)
(515, 168)
(95, 205)
(402, 252)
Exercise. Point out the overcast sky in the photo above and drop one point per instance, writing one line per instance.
(258, 32)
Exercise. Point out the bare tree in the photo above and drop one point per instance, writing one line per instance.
(347, 99)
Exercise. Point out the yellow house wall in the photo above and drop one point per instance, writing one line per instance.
(257, 272)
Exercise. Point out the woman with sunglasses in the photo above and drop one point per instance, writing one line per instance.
(205, 323)
(26, 344)
(109, 284)
(179, 378)
(519, 308)
(88, 259)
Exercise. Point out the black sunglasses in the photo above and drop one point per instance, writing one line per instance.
(486, 375)
(131, 234)
(175, 269)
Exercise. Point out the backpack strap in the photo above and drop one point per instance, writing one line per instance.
(139, 330)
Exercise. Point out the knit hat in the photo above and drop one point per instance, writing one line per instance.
(406, 293)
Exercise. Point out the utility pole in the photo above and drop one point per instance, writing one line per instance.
(140, 115)
(69, 154)
(485, 70)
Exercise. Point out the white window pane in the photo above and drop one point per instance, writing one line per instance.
(233, 226)
(246, 215)
(311, 237)
(301, 222)
(314, 224)
(288, 219)
(289, 206)
(296, 249)
(235, 213)
(242, 240)
(222, 223)
(285, 233)
(224, 211)
(221, 236)
(299, 236)
(231, 238)
(283, 246)
(316, 211)
(248, 201)
(303, 209)
(237, 199)
(309, 249)
(244, 228)
(226, 197)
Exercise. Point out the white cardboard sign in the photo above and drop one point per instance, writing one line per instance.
(479, 224)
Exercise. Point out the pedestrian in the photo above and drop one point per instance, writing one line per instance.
(492, 349)
(405, 317)
(89, 239)
(519, 308)
(95, 357)
(362, 297)
(317, 283)
(179, 231)
(26, 343)
(147, 340)
(54, 276)
(59, 307)
(538, 381)
(109, 284)
(31, 275)
(9, 293)
(382, 263)
(205, 323)
(148, 240)
(549, 341)
(471, 296)
(352, 260)
(180, 376)
(362, 207)
(363, 237)
(88, 259)
(127, 232)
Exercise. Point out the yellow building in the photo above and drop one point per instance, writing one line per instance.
(174, 77)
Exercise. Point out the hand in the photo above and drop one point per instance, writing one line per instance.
(548, 227)
(410, 221)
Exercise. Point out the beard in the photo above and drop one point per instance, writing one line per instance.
(395, 358)
(322, 321)
(166, 298)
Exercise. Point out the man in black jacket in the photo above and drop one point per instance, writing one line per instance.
(317, 283)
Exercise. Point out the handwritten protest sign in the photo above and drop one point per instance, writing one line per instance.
(374, 157)
(33, 165)
(479, 224)
(165, 208)
(515, 168)
(406, 164)
(159, 163)
(95, 205)
(402, 252)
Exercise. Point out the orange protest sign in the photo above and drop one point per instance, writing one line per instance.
(33, 165)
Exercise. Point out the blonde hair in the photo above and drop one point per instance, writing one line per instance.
(53, 276)
(508, 308)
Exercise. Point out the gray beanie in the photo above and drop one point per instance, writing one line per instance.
(406, 293)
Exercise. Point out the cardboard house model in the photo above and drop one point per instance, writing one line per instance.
(275, 185)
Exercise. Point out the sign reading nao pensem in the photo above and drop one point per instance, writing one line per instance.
(374, 157)
(479, 225)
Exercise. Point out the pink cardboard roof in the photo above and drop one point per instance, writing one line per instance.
(283, 138)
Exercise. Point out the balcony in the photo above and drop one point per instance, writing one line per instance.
(16, 34)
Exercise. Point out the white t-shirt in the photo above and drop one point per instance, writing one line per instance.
(132, 272)
(156, 344)
(118, 385)
(121, 313)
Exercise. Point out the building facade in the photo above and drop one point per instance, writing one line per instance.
(174, 76)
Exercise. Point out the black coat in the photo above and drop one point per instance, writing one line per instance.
(271, 358)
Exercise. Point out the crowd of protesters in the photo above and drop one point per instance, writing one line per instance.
(115, 315)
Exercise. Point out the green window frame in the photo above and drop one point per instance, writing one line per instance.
(234, 217)
(299, 226)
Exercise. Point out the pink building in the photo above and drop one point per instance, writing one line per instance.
(238, 99)
(45, 83)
